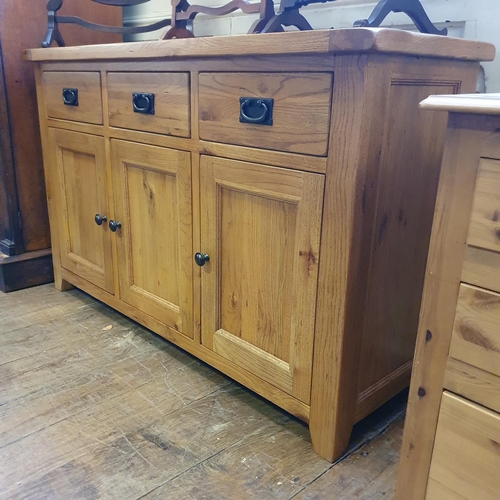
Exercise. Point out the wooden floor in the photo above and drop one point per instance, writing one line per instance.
(94, 406)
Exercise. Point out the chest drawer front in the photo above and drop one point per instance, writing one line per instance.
(150, 102)
(484, 229)
(74, 95)
(293, 109)
(466, 456)
(482, 257)
(476, 331)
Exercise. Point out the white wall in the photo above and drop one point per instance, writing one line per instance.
(471, 19)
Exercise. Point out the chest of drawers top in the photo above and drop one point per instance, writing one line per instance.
(369, 40)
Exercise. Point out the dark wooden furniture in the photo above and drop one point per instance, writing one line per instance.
(25, 256)
(181, 22)
(183, 14)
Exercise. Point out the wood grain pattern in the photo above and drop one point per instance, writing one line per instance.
(79, 160)
(249, 380)
(264, 221)
(360, 475)
(491, 145)
(350, 196)
(24, 270)
(484, 229)
(260, 283)
(382, 390)
(96, 404)
(466, 452)
(481, 268)
(442, 277)
(410, 162)
(53, 191)
(308, 42)
(473, 384)
(267, 157)
(257, 63)
(152, 188)
(476, 330)
(301, 110)
(171, 91)
(89, 107)
(253, 359)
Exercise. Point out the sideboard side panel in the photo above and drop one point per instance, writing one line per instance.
(410, 158)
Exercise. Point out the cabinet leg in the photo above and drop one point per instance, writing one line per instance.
(61, 284)
(330, 443)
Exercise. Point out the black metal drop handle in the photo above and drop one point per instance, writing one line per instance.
(143, 103)
(201, 258)
(99, 219)
(113, 226)
(264, 116)
(70, 97)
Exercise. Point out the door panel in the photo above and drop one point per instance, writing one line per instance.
(152, 188)
(261, 229)
(80, 161)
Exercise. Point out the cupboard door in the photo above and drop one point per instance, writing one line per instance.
(80, 161)
(261, 231)
(152, 187)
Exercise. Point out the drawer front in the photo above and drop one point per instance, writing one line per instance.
(74, 95)
(476, 331)
(150, 102)
(482, 259)
(236, 108)
(466, 456)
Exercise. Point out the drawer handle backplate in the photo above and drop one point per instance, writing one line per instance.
(70, 97)
(256, 110)
(143, 103)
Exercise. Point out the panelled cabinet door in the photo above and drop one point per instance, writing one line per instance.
(80, 162)
(260, 227)
(152, 187)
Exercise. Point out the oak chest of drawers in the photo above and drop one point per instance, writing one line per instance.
(262, 201)
(451, 445)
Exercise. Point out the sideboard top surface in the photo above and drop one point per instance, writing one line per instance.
(383, 40)
(483, 104)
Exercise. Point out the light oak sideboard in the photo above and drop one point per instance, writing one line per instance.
(262, 201)
(451, 442)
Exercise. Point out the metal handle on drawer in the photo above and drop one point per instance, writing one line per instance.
(256, 110)
(143, 103)
(70, 97)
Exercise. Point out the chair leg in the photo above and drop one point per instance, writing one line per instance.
(414, 10)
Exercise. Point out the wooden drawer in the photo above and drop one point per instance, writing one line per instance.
(476, 331)
(466, 456)
(482, 259)
(167, 94)
(82, 91)
(300, 110)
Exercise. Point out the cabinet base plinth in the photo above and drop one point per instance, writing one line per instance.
(26, 270)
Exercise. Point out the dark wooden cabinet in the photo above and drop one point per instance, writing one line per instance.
(25, 255)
